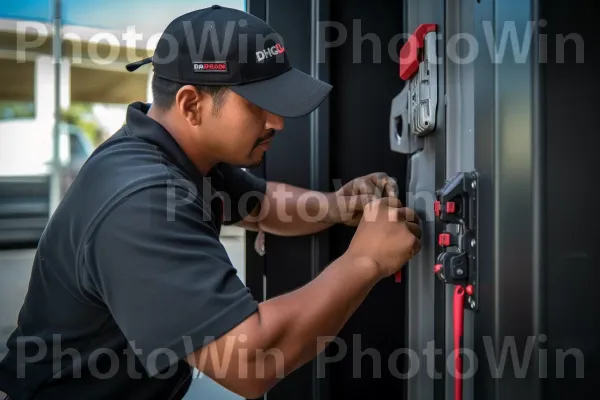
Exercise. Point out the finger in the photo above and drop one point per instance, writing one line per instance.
(390, 187)
(386, 207)
(393, 202)
(362, 186)
(377, 181)
(415, 229)
(409, 215)
(355, 220)
(385, 184)
(363, 200)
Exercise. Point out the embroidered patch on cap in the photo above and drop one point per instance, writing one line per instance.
(212, 66)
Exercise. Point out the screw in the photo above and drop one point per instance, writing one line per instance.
(471, 302)
(473, 184)
(473, 242)
(459, 271)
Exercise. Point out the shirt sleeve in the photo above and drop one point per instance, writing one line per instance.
(165, 277)
(245, 192)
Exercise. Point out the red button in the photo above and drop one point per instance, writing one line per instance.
(444, 239)
(436, 208)
(437, 268)
(450, 207)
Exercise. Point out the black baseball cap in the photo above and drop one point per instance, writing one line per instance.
(229, 47)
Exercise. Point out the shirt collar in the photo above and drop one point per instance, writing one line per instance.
(148, 129)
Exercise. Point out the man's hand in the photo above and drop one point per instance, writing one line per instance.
(296, 324)
(348, 203)
(388, 235)
(292, 211)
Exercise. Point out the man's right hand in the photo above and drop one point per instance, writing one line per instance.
(388, 234)
(296, 326)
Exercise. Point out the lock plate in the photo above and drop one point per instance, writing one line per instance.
(457, 206)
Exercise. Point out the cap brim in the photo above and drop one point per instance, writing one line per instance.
(291, 94)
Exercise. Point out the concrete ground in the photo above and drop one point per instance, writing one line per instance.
(15, 268)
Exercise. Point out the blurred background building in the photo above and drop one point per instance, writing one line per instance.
(94, 89)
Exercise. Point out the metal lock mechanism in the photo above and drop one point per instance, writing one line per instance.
(457, 205)
(414, 109)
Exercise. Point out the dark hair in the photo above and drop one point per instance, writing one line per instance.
(164, 92)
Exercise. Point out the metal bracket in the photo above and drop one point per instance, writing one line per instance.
(418, 66)
(424, 90)
(457, 205)
(401, 139)
(414, 109)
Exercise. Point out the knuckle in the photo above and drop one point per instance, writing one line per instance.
(410, 215)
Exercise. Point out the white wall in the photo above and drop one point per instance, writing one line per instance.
(44, 88)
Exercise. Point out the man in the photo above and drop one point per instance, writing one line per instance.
(131, 287)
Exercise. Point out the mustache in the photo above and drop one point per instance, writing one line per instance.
(266, 138)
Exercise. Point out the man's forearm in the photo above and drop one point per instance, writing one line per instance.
(298, 325)
(287, 210)
(290, 330)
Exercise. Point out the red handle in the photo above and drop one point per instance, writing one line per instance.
(398, 276)
(459, 310)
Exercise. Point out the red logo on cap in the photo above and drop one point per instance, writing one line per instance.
(216, 66)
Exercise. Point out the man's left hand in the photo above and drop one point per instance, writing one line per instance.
(348, 202)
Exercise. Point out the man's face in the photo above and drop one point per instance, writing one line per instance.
(239, 131)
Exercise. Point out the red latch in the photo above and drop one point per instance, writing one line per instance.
(409, 53)
(445, 239)
(437, 268)
(450, 207)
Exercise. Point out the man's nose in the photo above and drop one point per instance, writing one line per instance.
(274, 122)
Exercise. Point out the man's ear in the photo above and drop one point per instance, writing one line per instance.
(192, 104)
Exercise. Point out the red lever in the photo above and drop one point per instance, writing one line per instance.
(459, 310)
(409, 53)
